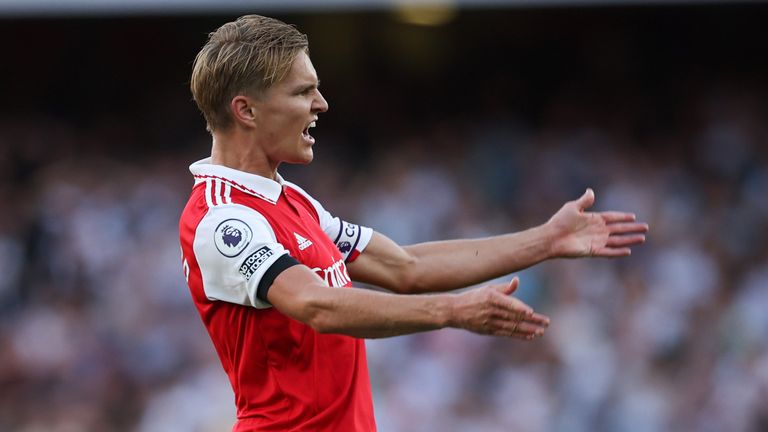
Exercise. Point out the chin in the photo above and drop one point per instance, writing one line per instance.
(303, 159)
(308, 156)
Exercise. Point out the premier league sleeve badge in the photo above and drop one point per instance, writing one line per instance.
(231, 237)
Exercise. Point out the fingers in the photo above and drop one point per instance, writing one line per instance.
(624, 241)
(512, 305)
(622, 237)
(613, 252)
(614, 216)
(495, 312)
(623, 233)
(628, 228)
(517, 319)
(525, 328)
(539, 319)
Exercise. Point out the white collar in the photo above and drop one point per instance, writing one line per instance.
(256, 185)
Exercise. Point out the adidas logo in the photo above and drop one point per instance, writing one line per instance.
(303, 243)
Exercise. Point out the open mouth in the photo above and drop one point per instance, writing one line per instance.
(305, 133)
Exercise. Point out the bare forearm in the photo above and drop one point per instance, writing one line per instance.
(452, 264)
(300, 294)
(369, 314)
(447, 265)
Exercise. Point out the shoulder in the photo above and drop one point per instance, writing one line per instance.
(231, 227)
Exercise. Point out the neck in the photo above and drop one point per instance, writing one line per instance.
(234, 149)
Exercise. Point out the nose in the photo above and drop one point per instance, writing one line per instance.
(319, 104)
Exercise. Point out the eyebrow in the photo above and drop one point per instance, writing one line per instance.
(308, 87)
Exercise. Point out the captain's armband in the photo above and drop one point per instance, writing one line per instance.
(352, 239)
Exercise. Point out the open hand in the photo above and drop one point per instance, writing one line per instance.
(579, 233)
(493, 311)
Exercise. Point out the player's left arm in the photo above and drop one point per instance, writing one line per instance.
(446, 265)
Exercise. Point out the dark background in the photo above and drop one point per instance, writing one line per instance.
(87, 71)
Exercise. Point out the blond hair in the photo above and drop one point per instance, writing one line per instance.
(245, 56)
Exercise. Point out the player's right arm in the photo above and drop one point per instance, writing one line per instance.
(301, 294)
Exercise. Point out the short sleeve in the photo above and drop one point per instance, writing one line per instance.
(238, 255)
(349, 238)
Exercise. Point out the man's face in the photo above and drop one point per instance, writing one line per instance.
(287, 111)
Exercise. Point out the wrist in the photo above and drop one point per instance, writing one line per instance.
(447, 316)
(547, 234)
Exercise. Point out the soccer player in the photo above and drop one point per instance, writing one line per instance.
(270, 270)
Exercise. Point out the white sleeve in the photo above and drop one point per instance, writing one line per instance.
(235, 247)
(349, 238)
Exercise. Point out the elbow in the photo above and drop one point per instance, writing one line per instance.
(408, 284)
(316, 311)
(407, 279)
(321, 322)
(326, 322)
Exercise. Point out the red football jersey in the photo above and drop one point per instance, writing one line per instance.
(238, 232)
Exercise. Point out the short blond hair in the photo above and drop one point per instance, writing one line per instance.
(245, 56)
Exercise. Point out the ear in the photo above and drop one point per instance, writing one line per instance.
(244, 110)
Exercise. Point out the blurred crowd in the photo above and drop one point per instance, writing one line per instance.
(98, 332)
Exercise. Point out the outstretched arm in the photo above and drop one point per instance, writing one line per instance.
(446, 265)
(302, 295)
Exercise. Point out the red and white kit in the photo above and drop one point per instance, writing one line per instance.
(238, 232)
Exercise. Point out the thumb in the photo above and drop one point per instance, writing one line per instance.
(509, 289)
(585, 201)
